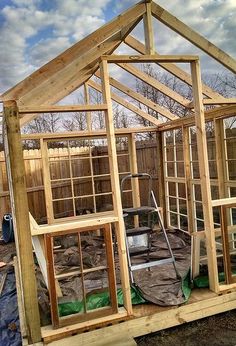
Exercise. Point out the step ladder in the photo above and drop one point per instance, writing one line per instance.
(148, 211)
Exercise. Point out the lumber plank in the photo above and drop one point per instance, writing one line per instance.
(19, 204)
(160, 320)
(97, 133)
(223, 201)
(205, 177)
(148, 58)
(148, 30)
(61, 108)
(172, 68)
(175, 24)
(113, 164)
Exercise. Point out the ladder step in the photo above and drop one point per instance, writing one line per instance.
(134, 251)
(138, 231)
(151, 264)
(139, 210)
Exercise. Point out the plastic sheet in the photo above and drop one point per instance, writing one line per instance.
(9, 318)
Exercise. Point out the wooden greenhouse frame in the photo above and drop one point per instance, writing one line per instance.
(40, 93)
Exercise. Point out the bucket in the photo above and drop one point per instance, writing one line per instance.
(7, 228)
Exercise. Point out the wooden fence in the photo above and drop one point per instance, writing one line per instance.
(146, 158)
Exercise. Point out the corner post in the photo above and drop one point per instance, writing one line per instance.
(204, 176)
(20, 213)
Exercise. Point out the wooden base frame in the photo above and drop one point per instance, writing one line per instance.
(147, 319)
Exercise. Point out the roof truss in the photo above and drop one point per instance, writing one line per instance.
(71, 69)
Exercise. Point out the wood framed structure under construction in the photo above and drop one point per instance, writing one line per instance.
(184, 182)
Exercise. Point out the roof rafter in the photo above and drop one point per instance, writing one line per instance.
(80, 49)
(201, 42)
(140, 98)
(172, 68)
(126, 104)
(155, 84)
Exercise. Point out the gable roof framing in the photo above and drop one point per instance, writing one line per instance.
(72, 68)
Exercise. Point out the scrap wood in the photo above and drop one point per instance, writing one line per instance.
(3, 280)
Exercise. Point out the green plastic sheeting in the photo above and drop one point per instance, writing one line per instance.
(99, 300)
(203, 281)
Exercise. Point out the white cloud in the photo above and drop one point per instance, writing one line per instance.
(69, 21)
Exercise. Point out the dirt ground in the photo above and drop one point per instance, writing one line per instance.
(218, 330)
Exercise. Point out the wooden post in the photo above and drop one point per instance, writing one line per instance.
(204, 176)
(134, 170)
(160, 174)
(86, 96)
(189, 195)
(148, 29)
(120, 227)
(221, 158)
(47, 181)
(20, 213)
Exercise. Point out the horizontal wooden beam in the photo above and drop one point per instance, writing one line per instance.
(224, 201)
(61, 108)
(216, 101)
(87, 134)
(201, 304)
(219, 112)
(149, 58)
(96, 219)
(172, 68)
(175, 24)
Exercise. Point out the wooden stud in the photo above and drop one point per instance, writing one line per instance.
(120, 227)
(61, 108)
(20, 212)
(148, 30)
(204, 176)
(86, 97)
(161, 177)
(134, 170)
(47, 181)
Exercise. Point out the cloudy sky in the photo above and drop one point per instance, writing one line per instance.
(33, 32)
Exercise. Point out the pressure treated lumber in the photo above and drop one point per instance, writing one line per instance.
(148, 58)
(61, 108)
(20, 212)
(172, 68)
(203, 305)
(148, 30)
(175, 24)
(77, 134)
(219, 112)
(120, 227)
(204, 176)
